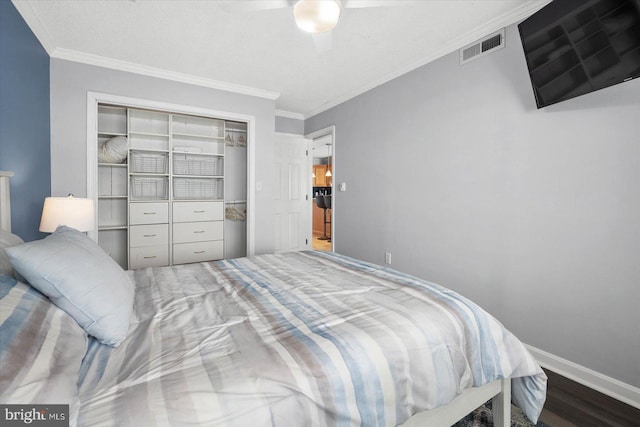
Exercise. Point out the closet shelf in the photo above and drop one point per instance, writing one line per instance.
(111, 227)
(163, 135)
(113, 165)
(100, 133)
(205, 137)
(148, 150)
(197, 200)
(147, 174)
(198, 154)
(199, 176)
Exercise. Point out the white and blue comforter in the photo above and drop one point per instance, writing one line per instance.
(296, 339)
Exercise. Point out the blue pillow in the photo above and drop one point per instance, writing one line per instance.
(80, 278)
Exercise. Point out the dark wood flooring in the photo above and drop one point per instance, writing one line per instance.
(570, 404)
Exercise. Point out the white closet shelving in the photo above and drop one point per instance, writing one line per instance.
(112, 187)
(166, 204)
(148, 188)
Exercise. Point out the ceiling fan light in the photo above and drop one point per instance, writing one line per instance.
(316, 16)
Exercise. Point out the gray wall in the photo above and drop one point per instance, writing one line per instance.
(70, 82)
(24, 120)
(533, 214)
(289, 125)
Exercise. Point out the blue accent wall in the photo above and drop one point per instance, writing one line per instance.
(24, 120)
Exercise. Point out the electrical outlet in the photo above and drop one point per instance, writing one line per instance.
(387, 257)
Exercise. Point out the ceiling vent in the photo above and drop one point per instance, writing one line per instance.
(482, 47)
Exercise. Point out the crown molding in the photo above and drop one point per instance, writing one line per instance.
(477, 33)
(131, 67)
(289, 115)
(33, 21)
(28, 13)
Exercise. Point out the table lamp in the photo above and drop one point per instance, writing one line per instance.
(71, 211)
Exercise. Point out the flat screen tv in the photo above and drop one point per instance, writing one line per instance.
(573, 47)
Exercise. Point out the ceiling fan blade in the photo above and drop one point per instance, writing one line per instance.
(322, 41)
(244, 6)
(356, 4)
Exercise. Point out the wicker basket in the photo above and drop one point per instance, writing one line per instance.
(197, 189)
(149, 188)
(142, 162)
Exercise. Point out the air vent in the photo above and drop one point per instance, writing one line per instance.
(482, 47)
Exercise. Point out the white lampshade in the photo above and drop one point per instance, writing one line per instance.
(73, 212)
(316, 16)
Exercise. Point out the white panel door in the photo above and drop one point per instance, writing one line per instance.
(293, 214)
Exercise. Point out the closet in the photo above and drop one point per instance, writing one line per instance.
(171, 187)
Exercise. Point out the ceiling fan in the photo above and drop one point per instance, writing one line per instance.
(317, 17)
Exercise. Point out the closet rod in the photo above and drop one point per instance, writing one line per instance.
(234, 202)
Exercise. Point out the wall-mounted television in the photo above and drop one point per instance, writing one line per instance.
(573, 47)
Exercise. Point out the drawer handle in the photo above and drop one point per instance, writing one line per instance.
(199, 211)
(149, 257)
(198, 232)
(149, 235)
(149, 213)
(199, 252)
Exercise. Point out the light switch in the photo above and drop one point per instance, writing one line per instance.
(258, 185)
(343, 186)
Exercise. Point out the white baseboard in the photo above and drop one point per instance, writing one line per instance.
(606, 385)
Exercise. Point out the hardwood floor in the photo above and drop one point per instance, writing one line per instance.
(320, 245)
(570, 404)
(553, 420)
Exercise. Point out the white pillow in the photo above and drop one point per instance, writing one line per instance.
(80, 278)
(7, 240)
(113, 150)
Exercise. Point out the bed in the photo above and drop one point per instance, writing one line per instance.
(304, 338)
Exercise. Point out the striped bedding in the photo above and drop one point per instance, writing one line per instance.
(297, 339)
(41, 349)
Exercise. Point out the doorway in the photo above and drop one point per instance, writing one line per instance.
(292, 213)
(322, 200)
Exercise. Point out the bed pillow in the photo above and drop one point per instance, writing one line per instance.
(42, 349)
(113, 150)
(81, 279)
(7, 240)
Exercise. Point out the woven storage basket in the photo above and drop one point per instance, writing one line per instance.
(149, 187)
(197, 189)
(190, 164)
(148, 162)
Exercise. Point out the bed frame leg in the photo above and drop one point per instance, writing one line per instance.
(501, 406)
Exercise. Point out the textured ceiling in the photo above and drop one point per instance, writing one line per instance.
(220, 42)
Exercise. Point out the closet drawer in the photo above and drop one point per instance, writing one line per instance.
(148, 213)
(198, 211)
(184, 253)
(186, 232)
(148, 256)
(149, 235)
